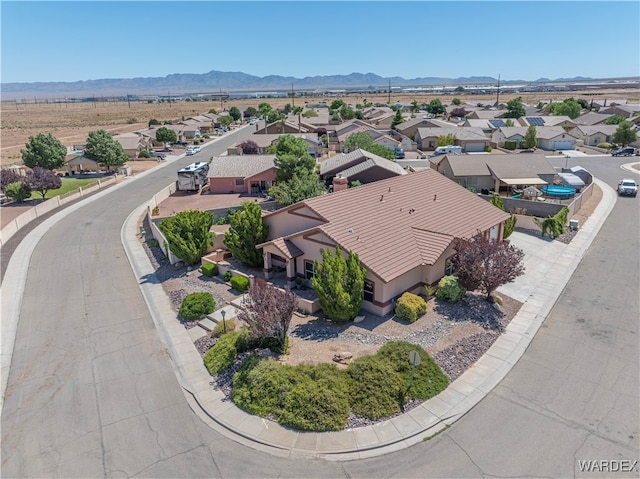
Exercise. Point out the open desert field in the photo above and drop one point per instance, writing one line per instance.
(72, 122)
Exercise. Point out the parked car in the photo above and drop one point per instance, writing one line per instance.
(399, 152)
(627, 187)
(626, 151)
(192, 150)
(179, 143)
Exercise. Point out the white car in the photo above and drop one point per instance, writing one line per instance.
(627, 187)
(192, 150)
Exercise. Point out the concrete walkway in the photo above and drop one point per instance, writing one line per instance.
(549, 266)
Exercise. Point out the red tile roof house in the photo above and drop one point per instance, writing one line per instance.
(402, 229)
(359, 165)
(245, 174)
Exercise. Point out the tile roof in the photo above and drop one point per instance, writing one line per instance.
(523, 165)
(373, 163)
(287, 248)
(591, 118)
(462, 133)
(542, 132)
(395, 225)
(588, 130)
(343, 162)
(239, 166)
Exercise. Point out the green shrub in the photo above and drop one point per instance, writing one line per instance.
(152, 243)
(209, 269)
(219, 328)
(510, 144)
(311, 406)
(488, 148)
(554, 225)
(227, 276)
(450, 290)
(428, 378)
(222, 354)
(378, 390)
(410, 306)
(144, 154)
(604, 145)
(196, 306)
(240, 283)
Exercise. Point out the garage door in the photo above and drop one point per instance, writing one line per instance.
(562, 145)
(474, 147)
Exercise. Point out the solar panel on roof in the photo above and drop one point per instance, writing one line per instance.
(497, 123)
(535, 120)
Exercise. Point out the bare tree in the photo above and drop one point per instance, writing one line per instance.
(485, 264)
(268, 311)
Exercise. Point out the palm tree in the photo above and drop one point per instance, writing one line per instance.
(298, 111)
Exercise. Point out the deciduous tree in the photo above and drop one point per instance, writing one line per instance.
(515, 109)
(459, 112)
(42, 180)
(301, 186)
(188, 234)
(292, 156)
(486, 264)
(339, 284)
(446, 140)
(614, 120)
(267, 311)
(166, 135)
(234, 112)
(226, 120)
(625, 133)
(9, 176)
(249, 147)
(569, 107)
(245, 232)
(435, 107)
(102, 148)
(45, 151)
(456, 101)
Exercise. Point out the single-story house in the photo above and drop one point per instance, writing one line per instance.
(151, 133)
(496, 172)
(409, 128)
(191, 129)
(470, 139)
(289, 126)
(487, 114)
(133, 143)
(359, 165)
(549, 137)
(591, 118)
(248, 174)
(381, 117)
(77, 163)
(264, 141)
(402, 229)
(592, 135)
(560, 120)
(205, 124)
(625, 110)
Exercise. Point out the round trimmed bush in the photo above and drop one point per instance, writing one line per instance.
(209, 269)
(410, 307)
(222, 355)
(450, 290)
(196, 306)
(606, 145)
(227, 276)
(240, 283)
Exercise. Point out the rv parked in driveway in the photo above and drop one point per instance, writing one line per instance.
(192, 177)
(445, 150)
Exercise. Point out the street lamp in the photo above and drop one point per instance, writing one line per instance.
(224, 324)
(566, 160)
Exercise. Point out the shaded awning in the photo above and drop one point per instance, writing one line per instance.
(524, 181)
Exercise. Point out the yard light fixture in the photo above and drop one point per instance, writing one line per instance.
(566, 160)
(224, 324)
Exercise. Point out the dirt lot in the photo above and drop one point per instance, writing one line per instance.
(72, 122)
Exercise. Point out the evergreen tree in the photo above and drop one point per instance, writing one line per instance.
(246, 231)
(102, 148)
(339, 284)
(188, 234)
(530, 138)
(625, 133)
(515, 109)
(396, 119)
(45, 151)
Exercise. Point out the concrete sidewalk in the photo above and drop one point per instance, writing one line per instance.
(549, 266)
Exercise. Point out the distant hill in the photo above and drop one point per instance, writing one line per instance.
(181, 83)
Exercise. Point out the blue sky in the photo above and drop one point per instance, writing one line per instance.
(71, 41)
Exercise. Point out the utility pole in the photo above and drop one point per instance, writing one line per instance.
(169, 95)
(221, 102)
(293, 96)
(498, 97)
(128, 102)
(389, 100)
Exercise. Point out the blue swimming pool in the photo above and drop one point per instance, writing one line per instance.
(558, 191)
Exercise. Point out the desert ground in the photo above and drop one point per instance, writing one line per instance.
(72, 122)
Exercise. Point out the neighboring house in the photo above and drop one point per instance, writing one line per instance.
(77, 163)
(204, 123)
(470, 139)
(591, 118)
(382, 117)
(359, 165)
(549, 137)
(409, 128)
(133, 143)
(264, 141)
(487, 114)
(151, 133)
(401, 228)
(562, 121)
(388, 141)
(488, 126)
(191, 129)
(245, 174)
(593, 135)
(277, 127)
(496, 172)
(316, 121)
(625, 110)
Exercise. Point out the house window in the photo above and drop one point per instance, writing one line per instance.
(239, 181)
(308, 269)
(448, 269)
(432, 144)
(367, 292)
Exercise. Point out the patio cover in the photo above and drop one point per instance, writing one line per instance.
(523, 181)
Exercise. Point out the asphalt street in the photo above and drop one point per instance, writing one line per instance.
(92, 391)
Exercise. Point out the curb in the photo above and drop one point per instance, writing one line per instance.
(402, 431)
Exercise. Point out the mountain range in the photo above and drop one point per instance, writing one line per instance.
(214, 81)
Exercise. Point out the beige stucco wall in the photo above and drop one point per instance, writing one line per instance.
(285, 223)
